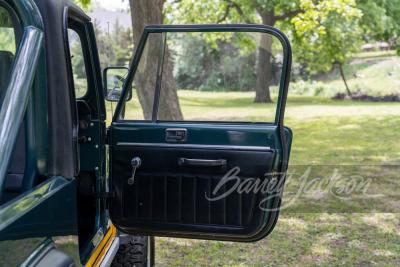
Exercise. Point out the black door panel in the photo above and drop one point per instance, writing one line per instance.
(173, 194)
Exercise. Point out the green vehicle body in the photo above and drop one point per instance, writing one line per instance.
(45, 217)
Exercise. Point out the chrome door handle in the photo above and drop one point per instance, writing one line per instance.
(202, 162)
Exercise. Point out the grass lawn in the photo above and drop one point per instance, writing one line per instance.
(326, 132)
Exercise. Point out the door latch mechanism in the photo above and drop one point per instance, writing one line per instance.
(136, 162)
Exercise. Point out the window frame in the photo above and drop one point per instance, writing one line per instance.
(78, 26)
(283, 84)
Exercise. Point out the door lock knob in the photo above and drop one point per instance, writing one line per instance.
(135, 162)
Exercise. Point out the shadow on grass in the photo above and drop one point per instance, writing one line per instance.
(298, 240)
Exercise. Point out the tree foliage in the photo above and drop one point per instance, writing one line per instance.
(327, 34)
(84, 4)
(381, 21)
(324, 33)
(115, 48)
(218, 62)
(241, 11)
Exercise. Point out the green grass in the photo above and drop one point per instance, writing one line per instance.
(325, 132)
(298, 240)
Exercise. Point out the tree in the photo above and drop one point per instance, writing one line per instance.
(327, 35)
(84, 4)
(381, 21)
(215, 63)
(324, 32)
(248, 11)
(115, 48)
(147, 12)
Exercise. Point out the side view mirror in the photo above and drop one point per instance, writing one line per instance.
(114, 81)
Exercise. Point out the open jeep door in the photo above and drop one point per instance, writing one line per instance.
(187, 156)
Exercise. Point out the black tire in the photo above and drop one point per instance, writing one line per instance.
(138, 252)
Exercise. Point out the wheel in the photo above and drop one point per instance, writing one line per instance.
(138, 252)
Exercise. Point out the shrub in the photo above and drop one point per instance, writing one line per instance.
(309, 88)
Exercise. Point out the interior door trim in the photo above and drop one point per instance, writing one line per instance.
(162, 145)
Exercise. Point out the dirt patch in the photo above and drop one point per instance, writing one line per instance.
(367, 98)
(361, 61)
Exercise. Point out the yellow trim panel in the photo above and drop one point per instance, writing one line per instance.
(102, 249)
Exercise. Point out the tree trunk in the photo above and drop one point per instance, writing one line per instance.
(145, 76)
(264, 62)
(147, 12)
(264, 70)
(344, 79)
(169, 107)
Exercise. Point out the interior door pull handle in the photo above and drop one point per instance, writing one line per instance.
(202, 162)
(175, 135)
